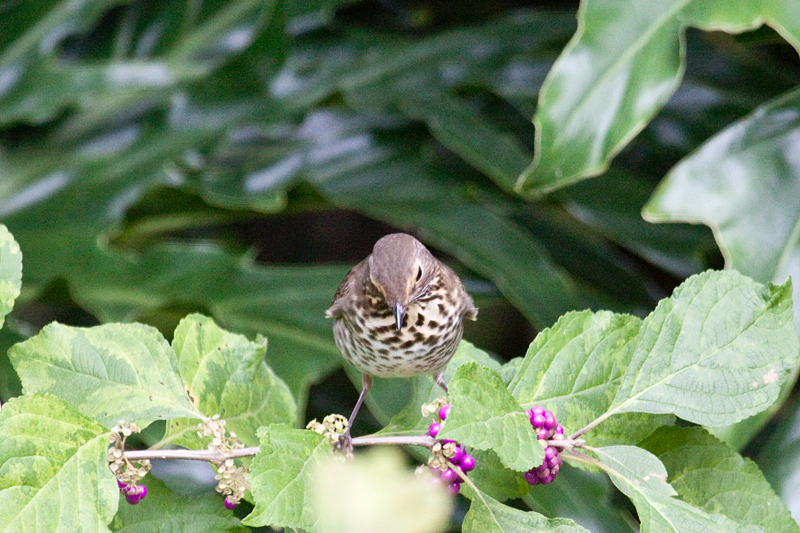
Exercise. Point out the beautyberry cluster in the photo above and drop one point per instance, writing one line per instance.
(547, 428)
(133, 493)
(128, 474)
(446, 451)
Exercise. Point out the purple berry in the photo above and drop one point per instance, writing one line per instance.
(122, 485)
(537, 410)
(549, 453)
(531, 478)
(135, 494)
(444, 411)
(230, 505)
(467, 463)
(537, 421)
(560, 429)
(555, 461)
(459, 456)
(446, 441)
(434, 429)
(450, 475)
(543, 434)
(454, 488)
(436, 480)
(547, 479)
(549, 420)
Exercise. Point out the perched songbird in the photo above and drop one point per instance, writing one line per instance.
(398, 313)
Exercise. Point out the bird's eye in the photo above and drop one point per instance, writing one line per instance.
(419, 273)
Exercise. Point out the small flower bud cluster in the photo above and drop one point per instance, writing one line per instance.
(445, 453)
(128, 475)
(232, 479)
(332, 428)
(547, 428)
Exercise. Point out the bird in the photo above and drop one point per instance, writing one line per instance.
(399, 313)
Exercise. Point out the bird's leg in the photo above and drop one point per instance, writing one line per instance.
(345, 443)
(366, 384)
(439, 379)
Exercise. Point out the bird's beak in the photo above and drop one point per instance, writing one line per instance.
(399, 312)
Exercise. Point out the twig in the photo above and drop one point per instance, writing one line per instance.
(216, 457)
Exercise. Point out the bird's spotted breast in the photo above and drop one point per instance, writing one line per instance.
(372, 344)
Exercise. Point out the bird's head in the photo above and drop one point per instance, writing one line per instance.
(401, 268)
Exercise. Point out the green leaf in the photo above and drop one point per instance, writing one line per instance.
(165, 510)
(643, 478)
(25, 30)
(612, 205)
(714, 353)
(494, 479)
(779, 456)
(574, 369)
(487, 515)
(375, 492)
(225, 374)
(452, 122)
(281, 477)
(712, 476)
(53, 470)
(10, 272)
(618, 70)
(43, 79)
(586, 497)
(108, 373)
(754, 211)
(485, 416)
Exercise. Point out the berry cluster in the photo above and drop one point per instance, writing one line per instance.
(547, 428)
(446, 451)
(133, 493)
(128, 475)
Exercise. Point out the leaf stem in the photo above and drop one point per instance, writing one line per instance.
(591, 425)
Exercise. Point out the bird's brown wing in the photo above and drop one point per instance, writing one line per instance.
(353, 282)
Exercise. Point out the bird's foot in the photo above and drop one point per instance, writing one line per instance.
(345, 445)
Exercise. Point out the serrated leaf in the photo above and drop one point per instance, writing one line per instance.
(10, 272)
(54, 475)
(618, 70)
(487, 515)
(109, 373)
(711, 475)
(375, 492)
(714, 353)
(588, 498)
(165, 510)
(281, 477)
(574, 369)
(485, 416)
(643, 478)
(226, 374)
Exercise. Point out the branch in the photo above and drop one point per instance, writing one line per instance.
(216, 457)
